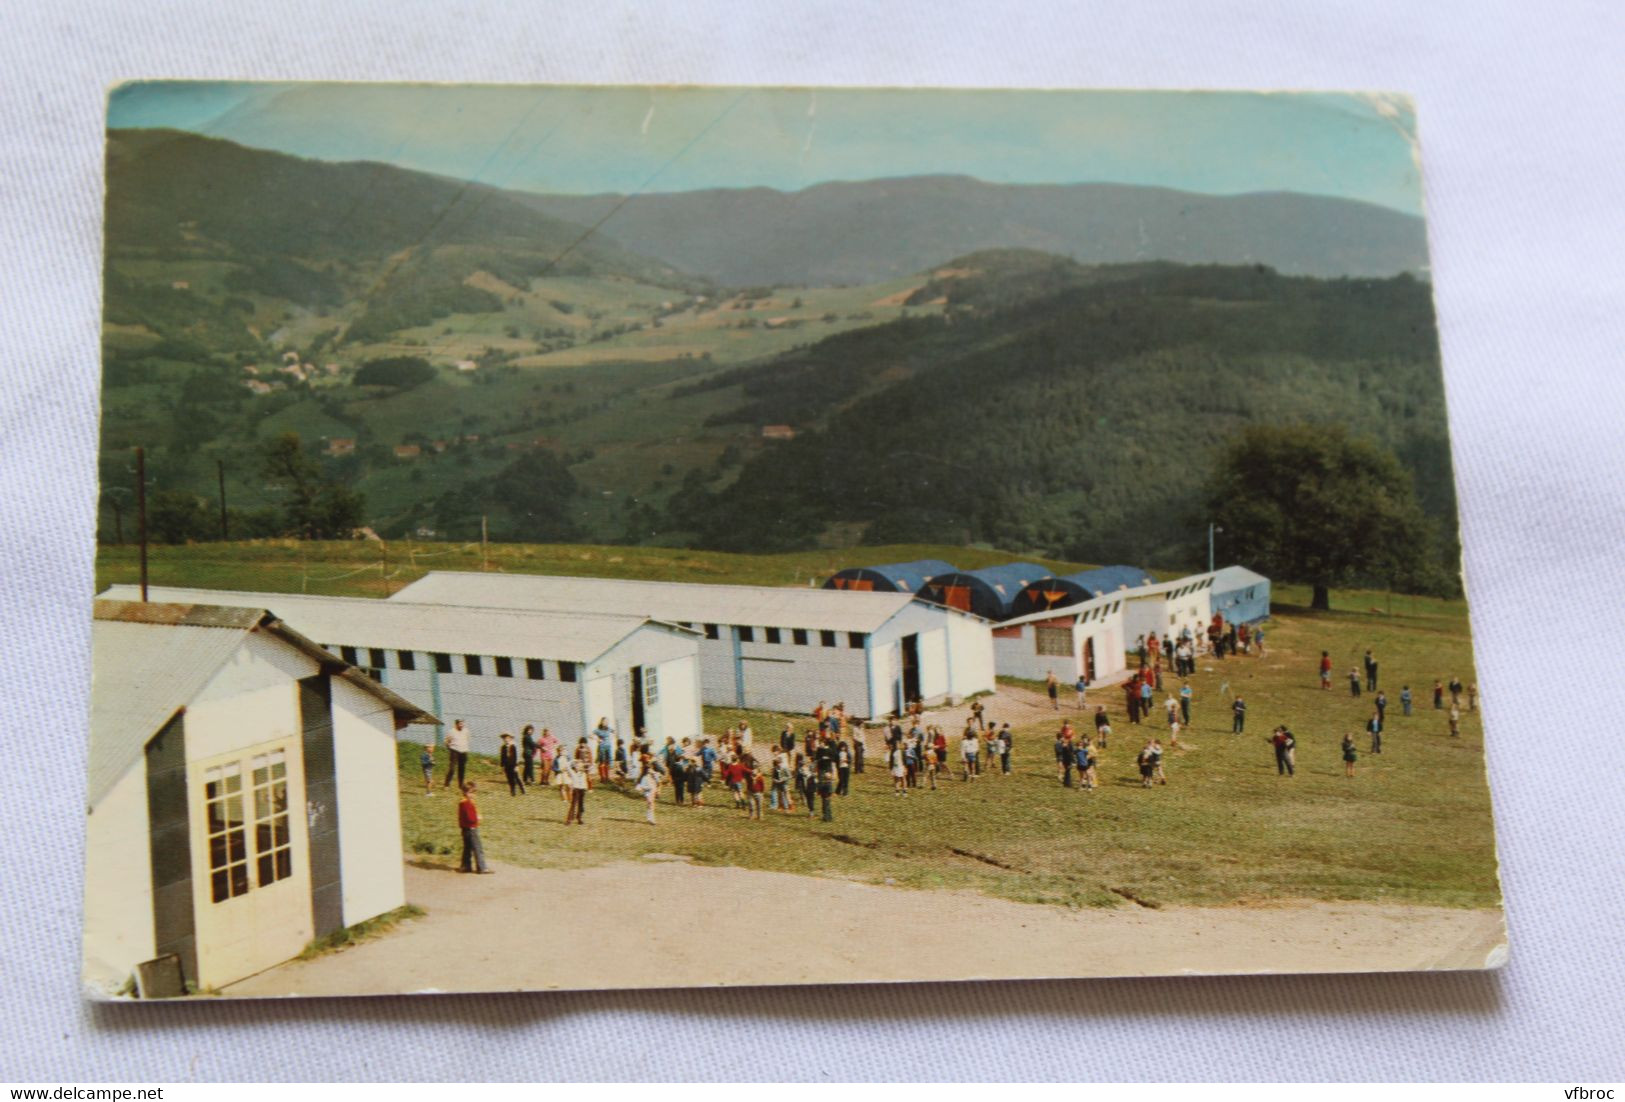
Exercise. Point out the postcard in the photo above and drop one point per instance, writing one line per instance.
(609, 537)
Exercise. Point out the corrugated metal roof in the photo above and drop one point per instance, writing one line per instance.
(1227, 578)
(141, 677)
(905, 577)
(1106, 579)
(1077, 609)
(683, 602)
(401, 625)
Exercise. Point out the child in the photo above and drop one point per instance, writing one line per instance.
(426, 762)
(1348, 755)
(508, 758)
(468, 821)
(648, 786)
(1005, 742)
(1405, 700)
(757, 784)
(577, 811)
(1156, 762)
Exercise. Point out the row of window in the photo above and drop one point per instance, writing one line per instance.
(377, 659)
(800, 637)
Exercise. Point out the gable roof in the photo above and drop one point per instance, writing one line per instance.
(449, 629)
(1228, 578)
(682, 602)
(149, 660)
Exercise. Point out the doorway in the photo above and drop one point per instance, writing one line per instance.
(1089, 660)
(911, 668)
(637, 702)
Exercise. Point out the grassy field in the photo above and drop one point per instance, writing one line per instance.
(1413, 826)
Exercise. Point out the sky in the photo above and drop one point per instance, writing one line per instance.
(592, 140)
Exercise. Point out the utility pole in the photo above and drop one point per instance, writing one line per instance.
(141, 513)
(1210, 547)
(220, 469)
(485, 557)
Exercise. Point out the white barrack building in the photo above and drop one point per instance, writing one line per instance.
(1082, 640)
(768, 647)
(498, 669)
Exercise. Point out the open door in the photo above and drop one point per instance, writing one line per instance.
(911, 668)
(1089, 659)
(637, 702)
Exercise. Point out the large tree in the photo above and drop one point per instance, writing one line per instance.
(1311, 504)
(313, 507)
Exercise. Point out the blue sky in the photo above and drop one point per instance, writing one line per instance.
(622, 139)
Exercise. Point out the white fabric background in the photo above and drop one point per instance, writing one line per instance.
(1520, 109)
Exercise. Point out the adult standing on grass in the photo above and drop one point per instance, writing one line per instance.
(1348, 755)
(1053, 687)
(968, 746)
(1354, 681)
(468, 821)
(899, 771)
(1080, 685)
(1373, 727)
(1438, 694)
(605, 735)
(843, 769)
(1005, 743)
(1382, 706)
(508, 759)
(1325, 670)
(807, 776)
(1063, 758)
(456, 753)
(527, 752)
(1147, 692)
(1238, 710)
(826, 789)
(1370, 672)
(1279, 741)
(1455, 690)
(1185, 696)
(1131, 699)
(1405, 700)
(781, 784)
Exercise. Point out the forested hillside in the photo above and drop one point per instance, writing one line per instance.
(1081, 421)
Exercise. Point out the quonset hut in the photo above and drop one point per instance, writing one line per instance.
(896, 577)
(987, 593)
(1073, 589)
(770, 647)
(1240, 595)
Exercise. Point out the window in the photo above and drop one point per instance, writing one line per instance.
(273, 845)
(772, 634)
(407, 659)
(442, 663)
(1053, 642)
(711, 632)
(471, 665)
(827, 638)
(376, 659)
(349, 655)
(533, 669)
(746, 635)
(798, 636)
(504, 667)
(228, 840)
(651, 686)
(567, 671)
(856, 640)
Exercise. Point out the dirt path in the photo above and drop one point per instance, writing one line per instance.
(657, 923)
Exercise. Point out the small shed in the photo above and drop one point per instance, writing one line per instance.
(1240, 595)
(896, 577)
(988, 592)
(242, 793)
(498, 669)
(1071, 589)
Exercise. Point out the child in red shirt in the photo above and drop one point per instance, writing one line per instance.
(468, 821)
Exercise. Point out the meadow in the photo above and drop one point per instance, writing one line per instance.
(1413, 826)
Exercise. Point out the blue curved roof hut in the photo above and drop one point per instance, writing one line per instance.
(987, 592)
(1073, 589)
(895, 577)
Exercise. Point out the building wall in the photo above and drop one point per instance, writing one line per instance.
(673, 659)
(791, 677)
(370, 843)
(118, 932)
(1165, 615)
(679, 713)
(489, 704)
(970, 645)
(956, 654)
(1246, 605)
